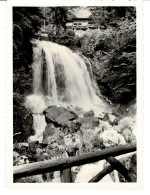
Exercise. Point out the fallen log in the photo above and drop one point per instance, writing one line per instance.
(64, 163)
(102, 174)
(121, 169)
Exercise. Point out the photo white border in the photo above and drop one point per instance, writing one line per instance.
(9, 95)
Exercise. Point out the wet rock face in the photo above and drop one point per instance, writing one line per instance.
(59, 115)
(22, 120)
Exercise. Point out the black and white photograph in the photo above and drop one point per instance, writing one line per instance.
(74, 94)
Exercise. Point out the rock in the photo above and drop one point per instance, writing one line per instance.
(92, 121)
(54, 153)
(129, 136)
(69, 141)
(21, 145)
(39, 151)
(126, 122)
(75, 126)
(66, 130)
(105, 117)
(15, 157)
(53, 135)
(89, 114)
(22, 160)
(22, 120)
(15, 154)
(59, 115)
(49, 131)
(112, 138)
(71, 150)
(131, 110)
(31, 179)
(116, 114)
(26, 149)
(112, 120)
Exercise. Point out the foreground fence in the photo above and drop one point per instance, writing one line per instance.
(64, 165)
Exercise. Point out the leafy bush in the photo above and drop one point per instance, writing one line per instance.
(70, 33)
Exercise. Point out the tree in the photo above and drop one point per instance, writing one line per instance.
(106, 17)
(57, 16)
(26, 22)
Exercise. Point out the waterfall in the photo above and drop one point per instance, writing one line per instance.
(39, 126)
(60, 77)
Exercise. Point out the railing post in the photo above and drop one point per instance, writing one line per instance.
(66, 176)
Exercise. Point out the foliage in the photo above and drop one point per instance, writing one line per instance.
(23, 85)
(57, 17)
(106, 17)
(26, 22)
(22, 120)
(70, 32)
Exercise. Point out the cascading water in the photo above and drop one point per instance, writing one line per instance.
(39, 126)
(61, 77)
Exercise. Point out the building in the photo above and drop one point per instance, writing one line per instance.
(80, 24)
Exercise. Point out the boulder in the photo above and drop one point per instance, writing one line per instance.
(92, 121)
(105, 117)
(54, 136)
(49, 133)
(66, 130)
(112, 138)
(49, 130)
(89, 114)
(126, 122)
(112, 120)
(129, 136)
(75, 126)
(71, 151)
(59, 115)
